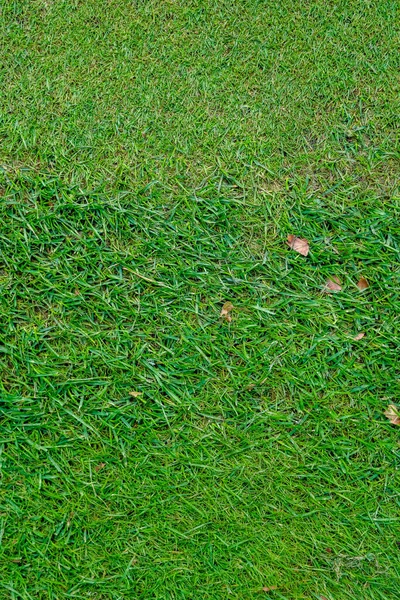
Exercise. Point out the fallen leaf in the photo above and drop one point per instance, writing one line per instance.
(332, 285)
(362, 284)
(100, 466)
(359, 336)
(226, 311)
(299, 244)
(270, 589)
(135, 394)
(392, 414)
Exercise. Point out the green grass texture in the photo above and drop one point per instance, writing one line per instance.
(155, 155)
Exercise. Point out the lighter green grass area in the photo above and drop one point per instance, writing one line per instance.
(154, 157)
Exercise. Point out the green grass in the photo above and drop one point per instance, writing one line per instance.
(155, 156)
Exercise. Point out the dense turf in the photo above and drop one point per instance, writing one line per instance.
(155, 156)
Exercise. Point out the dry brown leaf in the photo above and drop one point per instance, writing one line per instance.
(392, 414)
(226, 311)
(299, 244)
(270, 589)
(332, 285)
(100, 466)
(359, 336)
(135, 394)
(362, 284)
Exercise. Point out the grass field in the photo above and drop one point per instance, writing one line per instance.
(154, 158)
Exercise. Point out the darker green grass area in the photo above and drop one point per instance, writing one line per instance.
(155, 156)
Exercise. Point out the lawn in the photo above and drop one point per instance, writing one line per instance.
(154, 157)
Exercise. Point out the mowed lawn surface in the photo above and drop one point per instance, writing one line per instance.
(154, 156)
